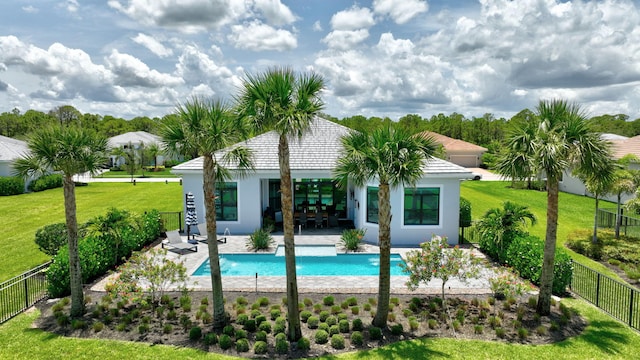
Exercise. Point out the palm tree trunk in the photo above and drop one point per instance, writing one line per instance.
(546, 277)
(294, 329)
(384, 240)
(618, 218)
(594, 239)
(209, 187)
(75, 270)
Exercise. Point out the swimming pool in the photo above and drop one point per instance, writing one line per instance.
(271, 265)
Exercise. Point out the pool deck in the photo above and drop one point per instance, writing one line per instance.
(314, 284)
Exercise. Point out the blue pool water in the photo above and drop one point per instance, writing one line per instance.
(271, 265)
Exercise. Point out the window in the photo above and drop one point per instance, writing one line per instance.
(372, 204)
(422, 206)
(227, 201)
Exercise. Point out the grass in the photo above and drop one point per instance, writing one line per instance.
(604, 338)
(574, 211)
(161, 173)
(22, 215)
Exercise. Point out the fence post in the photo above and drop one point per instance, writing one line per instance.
(26, 293)
(598, 291)
(631, 309)
(180, 220)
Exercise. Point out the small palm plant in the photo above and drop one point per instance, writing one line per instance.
(351, 239)
(261, 239)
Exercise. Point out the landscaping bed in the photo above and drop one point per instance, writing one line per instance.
(410, 317)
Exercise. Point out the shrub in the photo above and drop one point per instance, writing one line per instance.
(46, 182)
(356, 338)
(343, 325)
(396, 329)
(501, 333)
(375, 333)
(324, 315)
(260, 347)
(265, 326)
(275, 313)
(321, 337)
(331, 320)
(305, 315)
(279, 328)
(525, 254)
(282, 346)
(250, 325)
(242, 319)
(351, 239)
(312, 322)
(241, 334)
(11, 185)
(260, 239)
(242, 345)
(225, 341)
(51, 238)
(167, 328)
(261, 336)
(328, 300)
(211, 339)
(357, 325)
(260, 319)
(303, 344)
(337, 341)
(229, 330)
(195, 333)
(97, 326)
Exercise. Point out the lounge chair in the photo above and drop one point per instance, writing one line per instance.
(204, 237)
(174, 241)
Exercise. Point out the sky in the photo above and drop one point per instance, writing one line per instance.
(385, 58)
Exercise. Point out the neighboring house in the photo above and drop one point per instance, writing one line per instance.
(135, 138)
(620, 146)
(458, 151)
(11, 150)
(432, 207)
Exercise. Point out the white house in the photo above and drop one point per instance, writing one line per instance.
(10, 150)
(135, 138)
(620, 146)
(431, 207)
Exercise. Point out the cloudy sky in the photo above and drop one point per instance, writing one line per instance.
(132, 58)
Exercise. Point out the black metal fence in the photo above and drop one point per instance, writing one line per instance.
(629, 226)
(171, 221)
(619, 300)
(22, 291)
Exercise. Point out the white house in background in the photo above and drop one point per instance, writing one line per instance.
(10, 150)
(458, 151)
(431, 207)
(620, 146)
(134, 138)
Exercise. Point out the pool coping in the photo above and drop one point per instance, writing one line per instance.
(312, 284)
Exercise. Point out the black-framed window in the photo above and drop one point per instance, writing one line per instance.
(275, 200)
(422, 206)
(372, 204)
(227, 201)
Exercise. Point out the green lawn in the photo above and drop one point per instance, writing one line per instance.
(574, 211)
(161, 173)
(22, 215)
(604, 338)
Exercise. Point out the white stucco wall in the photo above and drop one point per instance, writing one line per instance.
(413, 235)
(573, 185)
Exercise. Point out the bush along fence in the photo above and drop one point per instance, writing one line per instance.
(21, 292)
(615, 298)
(629, 226)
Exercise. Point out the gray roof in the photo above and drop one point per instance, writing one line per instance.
(11, 149)
(318, 149)
(134, 137)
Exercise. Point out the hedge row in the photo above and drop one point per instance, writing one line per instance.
(11, 185)
(98, 253)
(525, 254)
(46, 182)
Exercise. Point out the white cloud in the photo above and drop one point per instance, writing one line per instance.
(400, 11)
(354, 18)
(317, 26)
(152, 45)
(196, 67)
(345, 39)
(130, 71)
(72, 6)
(30, 9)
(256, 36)
(275, 12)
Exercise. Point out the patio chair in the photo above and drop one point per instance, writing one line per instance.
(174, 241)
(318, 218)
(302, 219)
(204, 236)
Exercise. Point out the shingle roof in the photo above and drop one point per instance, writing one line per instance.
(621, 148)
(134, 137)
(317, 150)
(11, 149)
(451, 144)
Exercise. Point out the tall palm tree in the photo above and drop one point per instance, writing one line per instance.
(394, 158)
(70, 151)
(515, 162)
(205, 127)
(286, 102)
(599, 185)
(563, 140)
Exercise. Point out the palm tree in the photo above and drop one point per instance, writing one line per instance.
(70, 151)
(128, 153)
(563, 140)
(515, 162)
(599, 185)
(394, 158)
(154, 150)
(206, 127)
(625, 181)
(281, 100)
(502, 225)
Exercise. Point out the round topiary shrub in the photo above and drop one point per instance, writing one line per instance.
(375, 333)
(334, 329)
(225, 342)
(195, 333)
(241, 334)
(356, 338)
(242, 345)
(321, 337)
(282, 345)
(261, 336)
(242, 319)
(260, 347)
(357, 325)
(331, 320)
(303, 344)
(324, 314)
(229, 330)
(337, 341)
(210, 339)
(343, 325)
(313, 322)
(250, 325)
(51, 238)
(305, 315)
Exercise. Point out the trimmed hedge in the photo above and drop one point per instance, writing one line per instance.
(525, 254)
(98, 254)
(51, 238)
(11, 185)
(46, 182)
